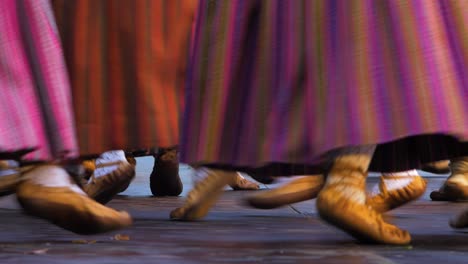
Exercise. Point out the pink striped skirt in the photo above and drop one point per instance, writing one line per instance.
(36, 109)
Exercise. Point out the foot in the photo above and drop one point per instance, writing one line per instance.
(300, 189)
(102, 189)
(455, 188)
(164, 179)
(438, 167)
(342, 204)
(10, 177)
(451, 191)
(111, 175)
(388, 198)
(49, 192)
(261, 176)
(204, 195)
(242, 184)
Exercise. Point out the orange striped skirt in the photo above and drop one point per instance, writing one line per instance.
(127, 62)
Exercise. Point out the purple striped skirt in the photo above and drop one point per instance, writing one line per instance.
(287, 81)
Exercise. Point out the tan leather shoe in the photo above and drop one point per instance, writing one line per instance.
(204, 195)
(437, 167)
(450, 191)
(104, 188)
(242, 184)
(455, 188)
(66, 208)
(8, 183)
(388, 200)
(301, 189)
(359, 220)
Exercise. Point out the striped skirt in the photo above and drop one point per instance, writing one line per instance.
(288, 80)
(36, 107)
(127, 64)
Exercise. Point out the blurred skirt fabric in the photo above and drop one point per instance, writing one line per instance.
(36, 108)
(286, 81)
(127, 64)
